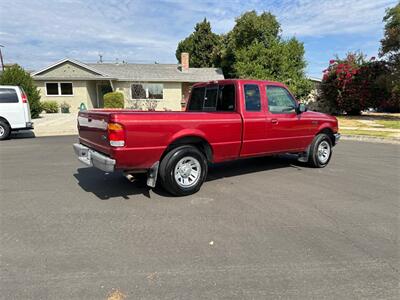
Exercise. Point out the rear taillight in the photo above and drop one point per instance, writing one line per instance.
(116, 134)
(24, 98)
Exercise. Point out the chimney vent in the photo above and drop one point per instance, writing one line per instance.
(185, 61)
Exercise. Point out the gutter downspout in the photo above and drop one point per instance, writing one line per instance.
(112, 86)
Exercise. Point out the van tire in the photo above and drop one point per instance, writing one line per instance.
(5, 130)
(183, 156)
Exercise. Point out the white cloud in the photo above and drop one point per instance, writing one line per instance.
(37, 33)
(310, 17)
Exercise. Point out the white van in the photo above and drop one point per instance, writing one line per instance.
(14, 110)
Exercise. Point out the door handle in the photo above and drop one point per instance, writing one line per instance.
(274, 121)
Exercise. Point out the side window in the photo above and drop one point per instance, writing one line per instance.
(279, 100)
(197, 99)
(226, 98)
(8, 96)
(252, 97)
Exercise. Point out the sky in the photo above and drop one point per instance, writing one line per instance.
(37, 33)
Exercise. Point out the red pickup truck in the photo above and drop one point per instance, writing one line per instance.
(224, 120)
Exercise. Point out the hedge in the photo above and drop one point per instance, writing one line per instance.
(50, 107)
(114, 100)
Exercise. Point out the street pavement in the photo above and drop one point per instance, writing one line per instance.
(265, 228)
(54, 125)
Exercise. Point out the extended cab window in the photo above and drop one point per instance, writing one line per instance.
(197, 99)
(280, 101)
(8, 96)
(226, 98)
(210, 100)
(252, 97)
(213, 98)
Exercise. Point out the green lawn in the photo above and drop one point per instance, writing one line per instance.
(389, 124)
(371, 133)
(368, 120)
(370, 124)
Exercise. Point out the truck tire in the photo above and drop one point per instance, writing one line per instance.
(183, 170)
(5, 130)
(320, 151)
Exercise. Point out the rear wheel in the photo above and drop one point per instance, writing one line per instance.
(320, 151)
(5, 130)
(183, 170)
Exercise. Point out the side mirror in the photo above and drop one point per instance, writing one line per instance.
(301, 108)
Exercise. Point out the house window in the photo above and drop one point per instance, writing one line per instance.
(52, 88)
(59, 89)
(147, 91)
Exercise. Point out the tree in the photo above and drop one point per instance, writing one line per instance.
(252, 49)
(390, 44)
(15, 75)
(201, 45)
(354, 84)
(255, 49)
(390, 49)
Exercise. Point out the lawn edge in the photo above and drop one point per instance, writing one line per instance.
(371, 139)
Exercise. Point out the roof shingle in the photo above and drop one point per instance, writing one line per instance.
(157, 72)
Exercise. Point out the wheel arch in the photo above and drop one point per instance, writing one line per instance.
(329, 132)
(5, 120)
(193, 140)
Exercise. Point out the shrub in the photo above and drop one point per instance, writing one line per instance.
(65, 107)
(50, 107)
(15, 75)
(114, 100)
(354, 84)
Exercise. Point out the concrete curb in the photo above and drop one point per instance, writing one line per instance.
(369, 139)
(59, 133)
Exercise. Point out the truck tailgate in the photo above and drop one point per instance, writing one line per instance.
(92, 128)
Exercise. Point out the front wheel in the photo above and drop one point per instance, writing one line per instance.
(320, 151)
(183, 170)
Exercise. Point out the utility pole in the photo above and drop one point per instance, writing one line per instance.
(1, 58)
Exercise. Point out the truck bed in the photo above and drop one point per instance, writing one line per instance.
(148, 134)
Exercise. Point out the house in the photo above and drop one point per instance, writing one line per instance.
(145, 86)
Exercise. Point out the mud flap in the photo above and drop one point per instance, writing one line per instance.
(152, 174)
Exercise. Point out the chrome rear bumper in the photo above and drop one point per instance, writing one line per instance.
(93, 158)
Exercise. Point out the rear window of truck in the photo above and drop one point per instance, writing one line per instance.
(213, 98)
(8, 96)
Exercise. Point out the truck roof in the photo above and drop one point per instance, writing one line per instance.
(240, 81)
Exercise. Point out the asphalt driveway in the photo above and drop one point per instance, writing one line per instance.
(258, 229)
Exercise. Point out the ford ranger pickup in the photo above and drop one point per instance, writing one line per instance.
(224, 120)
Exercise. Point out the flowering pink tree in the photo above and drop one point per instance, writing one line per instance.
(354, 84)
